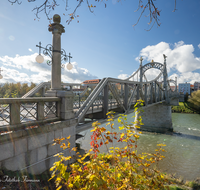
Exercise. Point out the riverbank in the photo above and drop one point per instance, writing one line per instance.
(184, 107)
(16, 180)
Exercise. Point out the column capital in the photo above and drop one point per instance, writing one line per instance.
(56, 27)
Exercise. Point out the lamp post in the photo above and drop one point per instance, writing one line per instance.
(1, 74)
(56, 54)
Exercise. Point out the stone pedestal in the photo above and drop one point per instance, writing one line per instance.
(66, 110)
(51, 93)
(157, 118)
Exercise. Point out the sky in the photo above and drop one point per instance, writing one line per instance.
(103, 43)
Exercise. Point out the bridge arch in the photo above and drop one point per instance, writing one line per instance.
(153, 65)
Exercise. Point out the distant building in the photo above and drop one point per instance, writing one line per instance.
(196, 86)
(93, 81)
(184, 88)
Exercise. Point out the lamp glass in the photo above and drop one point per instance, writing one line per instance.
(39, 59)
(69, 66)
(1, 76)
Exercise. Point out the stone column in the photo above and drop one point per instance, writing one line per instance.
(165, 79)
(57, 29)
(65, 109)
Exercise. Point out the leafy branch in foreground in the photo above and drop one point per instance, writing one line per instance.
(47, 6)
(119, 168)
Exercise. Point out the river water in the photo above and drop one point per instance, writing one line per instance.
(183, 146)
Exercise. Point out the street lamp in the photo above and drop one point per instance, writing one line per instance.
(1, 74)
(48, 52)
(56, 54)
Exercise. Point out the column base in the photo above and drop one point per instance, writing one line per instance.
(51, 93)
(66, 111)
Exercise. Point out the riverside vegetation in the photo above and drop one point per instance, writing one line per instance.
(184, 107)
(119, 168)
(191, 104)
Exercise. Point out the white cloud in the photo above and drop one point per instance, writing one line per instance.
(190, 77)
(199, 46)
(25, 69)
(30, 50)
(123, 76)
(152, 74)
(180, 58)
(77, 74)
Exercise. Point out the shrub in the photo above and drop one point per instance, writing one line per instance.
(118, 168)
(195, 99)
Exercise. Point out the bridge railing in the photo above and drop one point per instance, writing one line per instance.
(20, 113)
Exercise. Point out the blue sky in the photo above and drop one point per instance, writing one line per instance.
(103, 43)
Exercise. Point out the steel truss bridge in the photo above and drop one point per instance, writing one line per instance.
(95, 100)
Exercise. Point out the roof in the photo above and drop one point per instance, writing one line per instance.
(93, 81)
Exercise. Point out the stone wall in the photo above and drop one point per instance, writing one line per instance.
(31, 150)
(157, 118)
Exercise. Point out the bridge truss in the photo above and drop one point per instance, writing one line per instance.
(113, 93)
(119, 94)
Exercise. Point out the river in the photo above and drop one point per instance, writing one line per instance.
(183, 146)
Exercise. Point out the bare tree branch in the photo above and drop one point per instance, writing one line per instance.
(47, 6)
(174, 6)
(73, 15)
(152, 10)
(14, 1)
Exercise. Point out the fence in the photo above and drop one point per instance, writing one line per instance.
(18, 113)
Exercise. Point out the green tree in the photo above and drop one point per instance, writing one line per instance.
(195, 99)
(186, 97)
(12, 90)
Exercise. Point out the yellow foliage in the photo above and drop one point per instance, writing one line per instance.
(119, 168)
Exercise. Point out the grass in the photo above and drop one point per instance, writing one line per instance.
(184, 107)
(177, 183)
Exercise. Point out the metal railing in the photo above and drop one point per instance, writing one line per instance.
(19, 113)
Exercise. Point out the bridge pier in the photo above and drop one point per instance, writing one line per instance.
(157, 118)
